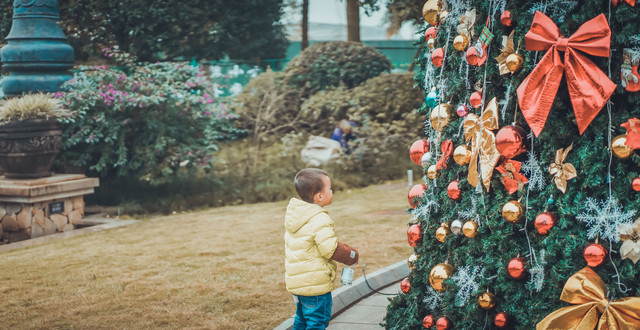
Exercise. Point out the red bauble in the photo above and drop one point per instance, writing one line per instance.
(453, 190)
(405, 285)
(505, 18)
(437, 56)
(428, 321)
(476, 99)
(415, 193)
(501, 320)
(473, 58)
(414, 235)
(516, 268)
(544, 222)
(418, 149)
(510, 141)
(594, 254)
(462, 110)
(431, 32)
(635, 183)
(444, 323)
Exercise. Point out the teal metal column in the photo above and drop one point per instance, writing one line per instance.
(37, 56)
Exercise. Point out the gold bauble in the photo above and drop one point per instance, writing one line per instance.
(512, 211)
(441, 233)
(487, 300)
(514, 62)
(438, 274)
(619, 148)
(431, 43)
(456, 227)
(470, 229)
(430, 11)
(432, 172)
(460, 42)
(441, 116)
(412, 261)
(462, 155)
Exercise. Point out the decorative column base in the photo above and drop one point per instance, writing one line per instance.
(36, 207)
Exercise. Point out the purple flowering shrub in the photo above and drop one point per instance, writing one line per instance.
(146, 123)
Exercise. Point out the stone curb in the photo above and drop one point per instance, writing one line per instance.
(346, 296)
(97, 224)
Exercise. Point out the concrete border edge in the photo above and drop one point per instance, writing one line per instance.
(345, 296)
(100, 224)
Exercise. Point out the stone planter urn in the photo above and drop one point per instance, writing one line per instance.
(28, 147)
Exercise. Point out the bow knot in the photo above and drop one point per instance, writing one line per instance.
(590, 309)
(602, 305)
(561, 44)
(478, 130)
(589, 87)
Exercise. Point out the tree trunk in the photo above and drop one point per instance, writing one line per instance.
(305, 24)
(353, 20)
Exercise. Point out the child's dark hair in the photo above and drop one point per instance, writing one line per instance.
(308, 182)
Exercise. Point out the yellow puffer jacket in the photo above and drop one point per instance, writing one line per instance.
(309, 243)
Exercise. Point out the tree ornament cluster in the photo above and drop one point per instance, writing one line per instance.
(539, 113)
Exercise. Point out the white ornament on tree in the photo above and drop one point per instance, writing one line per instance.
(466, 280)
(537, 271)
(531, 168)
(605, 218)
(432, 299)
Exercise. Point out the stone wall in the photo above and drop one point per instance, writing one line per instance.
(20, 221)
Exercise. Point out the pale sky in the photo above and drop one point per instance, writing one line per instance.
(334, 11)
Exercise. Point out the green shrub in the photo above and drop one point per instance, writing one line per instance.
(247, 174)
(387, 98)
(375, 155)
(144, 125)
(324, 109)
(267, 106)
(333, 64)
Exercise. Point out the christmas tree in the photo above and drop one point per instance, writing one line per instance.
(532, 170)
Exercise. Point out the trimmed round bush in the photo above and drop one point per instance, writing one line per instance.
(334, 64)
(390, 100)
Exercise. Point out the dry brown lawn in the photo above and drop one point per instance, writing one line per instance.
(218, 268)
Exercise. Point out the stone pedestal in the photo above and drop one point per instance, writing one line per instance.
(37, 207)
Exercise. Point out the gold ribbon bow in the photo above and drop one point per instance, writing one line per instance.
(507, 50)
(467, 21)
(591, 309)
(483, 143)
(562, 171)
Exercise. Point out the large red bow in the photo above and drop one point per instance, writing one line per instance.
(589, 88)
(631, 2)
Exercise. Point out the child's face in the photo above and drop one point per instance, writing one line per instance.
(324, 197)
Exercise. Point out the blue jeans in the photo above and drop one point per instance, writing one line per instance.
(313, 312)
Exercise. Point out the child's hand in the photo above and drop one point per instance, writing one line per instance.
(345, 254)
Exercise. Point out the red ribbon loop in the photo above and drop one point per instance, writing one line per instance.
(589, 88)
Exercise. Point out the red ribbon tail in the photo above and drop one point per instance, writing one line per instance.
(539, 89)
(589, 88)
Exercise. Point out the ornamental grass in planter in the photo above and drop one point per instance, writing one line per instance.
(30, 136)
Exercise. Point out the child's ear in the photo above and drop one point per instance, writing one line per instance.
(318, 197)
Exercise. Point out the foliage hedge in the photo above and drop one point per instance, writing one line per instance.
(146, 124)
(169, 29)
(334, 64)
